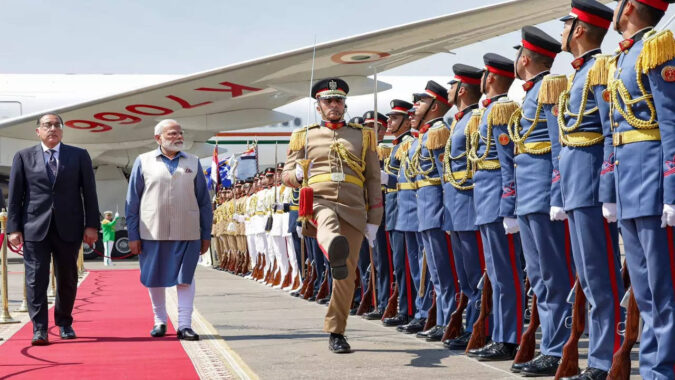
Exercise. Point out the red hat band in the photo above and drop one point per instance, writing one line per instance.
(504, 73)
(538, 49)
(591, 18)
(467, 80)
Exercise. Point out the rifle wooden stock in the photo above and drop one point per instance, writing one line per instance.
(392, 304)
(323, 289)
(312, 278)
(431, 317)
(569, 364)
(287, 279)
(528, 341)
(621, 362)
(305, 279)
(455, 324)
(479, 333)
(366, 300)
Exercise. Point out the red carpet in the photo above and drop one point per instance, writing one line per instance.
(113, 319)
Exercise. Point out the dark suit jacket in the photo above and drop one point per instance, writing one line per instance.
(32, 197)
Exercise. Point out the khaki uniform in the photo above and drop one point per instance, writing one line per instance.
(345, 177)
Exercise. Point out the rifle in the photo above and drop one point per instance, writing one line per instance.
(455, 325)
(621, 361)
(392, 304)
(569, 364)
(305, 278)
(312, 279)
(323, 289)
(431, 317)
(479, 333)
(367, 299)
(528, 341)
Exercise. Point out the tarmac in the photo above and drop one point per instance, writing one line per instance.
(250, 330)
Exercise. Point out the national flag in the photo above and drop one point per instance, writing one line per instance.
(215, 178)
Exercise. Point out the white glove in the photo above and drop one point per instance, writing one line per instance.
(668, 217)
(117, 215)
(511, 225)
(299, 174)
(557, 213)
(298, 230)
(384, 177)
(371, 233)
(609, 212)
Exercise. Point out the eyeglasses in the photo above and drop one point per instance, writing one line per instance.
(56, 125)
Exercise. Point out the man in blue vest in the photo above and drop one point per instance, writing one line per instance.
(642, 99)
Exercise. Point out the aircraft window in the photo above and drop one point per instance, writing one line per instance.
(285, 124)
(9, 109)
(297, 122)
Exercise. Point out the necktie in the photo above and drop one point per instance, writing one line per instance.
(52, 165)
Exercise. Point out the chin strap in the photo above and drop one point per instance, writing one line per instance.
(622, 7)
(569, 35)
(520, 52)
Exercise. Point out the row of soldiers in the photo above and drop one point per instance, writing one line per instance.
(506, 201)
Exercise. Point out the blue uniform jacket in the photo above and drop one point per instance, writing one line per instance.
(494, 193)
(644, 171)
(458, 201)
(430, 198)
(391, 167)
(406, 200)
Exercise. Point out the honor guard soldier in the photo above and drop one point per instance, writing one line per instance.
(587, 180)
(407, 220)
(343, 176)
(642, 95)
(398, 124)
(425, 162)
(494, 198)
(534, 131)
(458, 197)
(384, 271)
(294, 238)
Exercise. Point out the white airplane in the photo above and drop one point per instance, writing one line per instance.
(112, 116)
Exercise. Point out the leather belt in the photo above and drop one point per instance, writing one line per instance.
(406, 186)
(458, 175)
(428, 182)
(294, 208)
(488, 165)
(635, 135)
(328, 177)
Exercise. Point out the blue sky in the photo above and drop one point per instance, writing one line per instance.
(182, 37)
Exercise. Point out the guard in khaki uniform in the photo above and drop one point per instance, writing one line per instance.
(344, 175)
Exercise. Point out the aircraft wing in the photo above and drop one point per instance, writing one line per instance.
(245, 94)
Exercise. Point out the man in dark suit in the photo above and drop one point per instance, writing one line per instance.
(52, 209)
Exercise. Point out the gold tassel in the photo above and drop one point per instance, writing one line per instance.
(611, 67)
(551, 88)
(501, 112)
(473, 124)
(355, 125)
(658, 48)
(403, 148)
(598, 75)
(369, 138)
(297, 141)
(437, 136)
(383, 151)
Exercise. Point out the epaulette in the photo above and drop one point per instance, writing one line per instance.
(105, 221)
(658, 48)
(501, 112)
(551, 88)
(369, 138)
(298, 137)
(473, 123)
(383, 151)
(598, 75)
(437, 135)
(403, 147)
(355, 125)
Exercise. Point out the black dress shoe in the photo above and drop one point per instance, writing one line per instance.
(311, 299)
(187, 334)
(40, 338)
(398, 320)
(373, 315)
(458, 343)
(323, 301)
(424, 333)
(67, 332)
(589, 374)
(498, 351)
(478, 351)
(415, 326)
(338, 344)
(338, 250)
(542, 365)
(158, 331)
(436, 334)
(353, 311)
(295, 293)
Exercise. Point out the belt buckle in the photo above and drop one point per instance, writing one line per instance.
(616, 138)
(337, 177)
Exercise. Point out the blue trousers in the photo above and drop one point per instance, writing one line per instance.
(596, 256)
(469, 262)
(650, 255)
(502, 261)
(548, 260)
(402, 274)
(384, 271)
(363, 265)
(440, 263)
(413, 243)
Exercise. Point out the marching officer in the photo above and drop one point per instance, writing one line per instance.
(494, 200)
(398, 124)
(642, 100)
(438, 252)
(344, 176)
(534, 131)
(458, 195)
